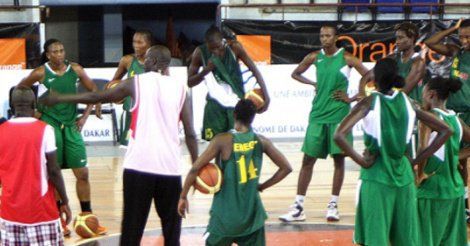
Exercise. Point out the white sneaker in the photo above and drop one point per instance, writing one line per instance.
(332, 212)
(296, 213)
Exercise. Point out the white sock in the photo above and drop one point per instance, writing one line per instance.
(334, 199)
(300, 200)
(466, 193)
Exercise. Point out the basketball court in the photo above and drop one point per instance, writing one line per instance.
(105, 163)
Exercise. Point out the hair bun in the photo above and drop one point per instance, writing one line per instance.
(454, 85)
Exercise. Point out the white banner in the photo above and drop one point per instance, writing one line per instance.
(287, 116)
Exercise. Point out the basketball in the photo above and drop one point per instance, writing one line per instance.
(85, 225)
(209, 179)
(256, 96)
(112, 84)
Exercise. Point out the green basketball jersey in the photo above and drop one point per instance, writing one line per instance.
(404, 69)
(237, 209)
(65, 113)
(460, 69)
(387, 130)
(232, 69)
(135, 68)
(332, 75)
(447, 182)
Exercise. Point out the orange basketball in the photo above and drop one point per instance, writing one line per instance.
(256, 96)
(209, 179)
(112, 84)
(85, 224)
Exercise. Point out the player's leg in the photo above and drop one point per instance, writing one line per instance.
(75, 157)
(257, 238)
(138, 190)
(404, 228)
(217, 240)
(313, 147)
(166, 197)
(125, 121)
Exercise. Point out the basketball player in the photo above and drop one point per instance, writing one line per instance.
(237, 213)
(441, 189)
(330, 105)
(411, 65)
(460, 69)
(59, 75)
(29, 175)
(387, 212)
(220, 58)
(132, 64)
(152, 166)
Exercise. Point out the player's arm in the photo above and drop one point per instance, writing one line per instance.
(194, 76)
(359, 111)
(424, 134)
(435, 42)
(245, 58)
(90, 86)
(186, 117)
(437, 125)
(220, 144)
(117, 93)
(304, 66)
(354, 62)
(123, 67)
(415, 76)
(284, 168)
(37, 75)
(465, 152)
(366, 78)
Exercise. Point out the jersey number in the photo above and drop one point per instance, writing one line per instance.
(243, 173)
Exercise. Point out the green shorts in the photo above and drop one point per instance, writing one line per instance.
(217, 119)
(465, 117)
(442, 221)
(71, 152)
(386, 215)
(256, 238)
(319, 140)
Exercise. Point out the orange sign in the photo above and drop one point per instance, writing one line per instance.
(258, 47)
(13, 55)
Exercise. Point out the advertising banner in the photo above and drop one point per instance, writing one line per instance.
(15, 56)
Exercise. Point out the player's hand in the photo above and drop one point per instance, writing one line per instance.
(98, 111)
(210, 65)
(341, 96)
(80, 123)
(183, 207)
(422, 177)
(65, 211)
(368, 159)
(265, 107)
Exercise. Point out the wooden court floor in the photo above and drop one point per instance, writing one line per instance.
(105, 164)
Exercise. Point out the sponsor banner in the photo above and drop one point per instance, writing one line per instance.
(28, 55)
(15, 57)
(286, 118)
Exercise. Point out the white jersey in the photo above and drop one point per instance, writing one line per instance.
(154, 145)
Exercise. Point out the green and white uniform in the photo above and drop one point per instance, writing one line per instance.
(237, 210)
(332, 75)
(224, 91)
(135, 68)
(404, 69)
(386, 210)
(440, 197)
(71, 151)
(458, 101)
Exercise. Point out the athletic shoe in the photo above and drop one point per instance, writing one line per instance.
(65, 229)
(296, 213)
(332, 212)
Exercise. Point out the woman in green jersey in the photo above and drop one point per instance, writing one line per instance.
(440, 186)
(386, 212)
